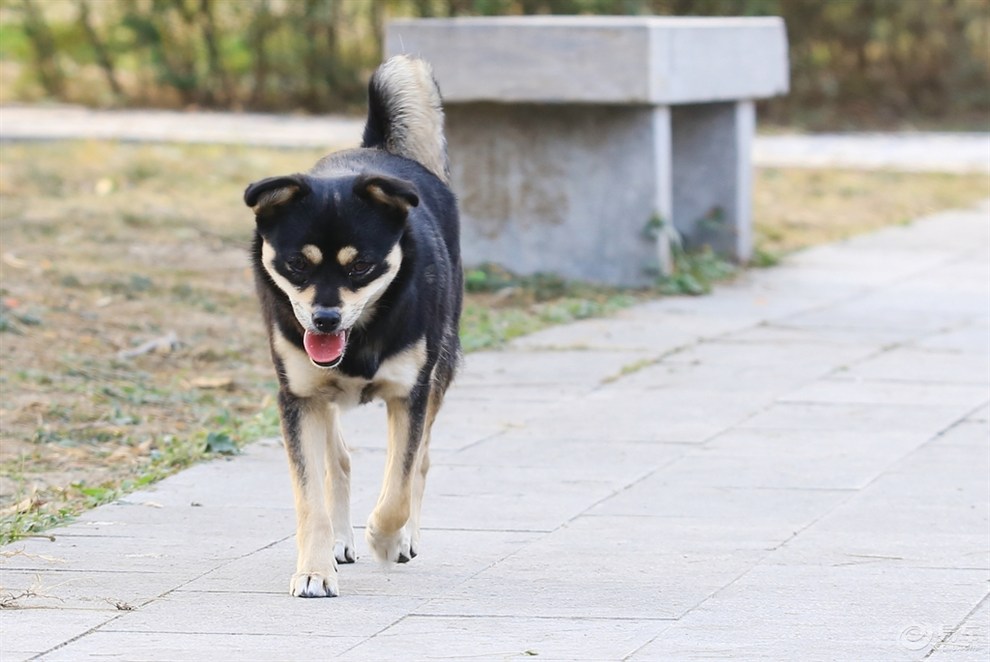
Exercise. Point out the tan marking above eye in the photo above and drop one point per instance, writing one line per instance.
(346, 255)
(312, 253)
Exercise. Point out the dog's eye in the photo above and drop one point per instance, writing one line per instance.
(297, 264)
(360, 268)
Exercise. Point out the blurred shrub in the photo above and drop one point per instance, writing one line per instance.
(854, 62)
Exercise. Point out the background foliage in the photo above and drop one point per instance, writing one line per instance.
(854, 62)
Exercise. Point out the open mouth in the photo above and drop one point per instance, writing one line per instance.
(325, 349)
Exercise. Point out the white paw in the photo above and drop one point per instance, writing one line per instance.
(313, 585)
(343, 550)
(390, 548)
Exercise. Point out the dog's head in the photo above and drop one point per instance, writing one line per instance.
(332, 246)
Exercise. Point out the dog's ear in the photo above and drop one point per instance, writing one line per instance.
(270, 192)
(396, 195)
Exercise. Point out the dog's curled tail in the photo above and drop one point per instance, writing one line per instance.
(405, 114)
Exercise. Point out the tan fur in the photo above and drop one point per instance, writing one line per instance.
(338, 479)
(312, 253)
(295, 295)
(304, 379)
(274, 197)
(346, 255)
(396, 513)
(384, 198)
(315, 561)
(358, 305)
(396, 376)
(417, 113)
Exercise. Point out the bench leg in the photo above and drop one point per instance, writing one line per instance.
(712, 176)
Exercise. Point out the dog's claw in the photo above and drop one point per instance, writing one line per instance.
(313, 585)
(393, 548)
(344, 553)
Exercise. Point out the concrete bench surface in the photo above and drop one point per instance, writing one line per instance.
(599, 60)
(589, 146)
(793, 468)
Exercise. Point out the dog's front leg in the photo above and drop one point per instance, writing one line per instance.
(387, 534)
(339, 492)
(305, 425)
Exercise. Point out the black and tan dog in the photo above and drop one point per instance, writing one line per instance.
(358, 269)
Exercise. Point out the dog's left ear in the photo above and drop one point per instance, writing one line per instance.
(397, 195)
(271, 192)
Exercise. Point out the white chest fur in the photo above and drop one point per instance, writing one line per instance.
(394, 379)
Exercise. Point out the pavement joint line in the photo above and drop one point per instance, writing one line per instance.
(149, 601)
(617, 377)
(757, 563)
(538, 617)
(958, 326)
(752, 573)
(866, 290)
(851, 493)
(389, 626)
(149, 573)
(507, 556)
(309, 635)
(494, 435)
(91, 630)
(449, 589)
(955, 424)
(466, 530)
(945, 638)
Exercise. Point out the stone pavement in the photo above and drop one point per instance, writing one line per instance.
(936, 152)
(795, 467)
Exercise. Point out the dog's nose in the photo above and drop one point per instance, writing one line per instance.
(326, 320)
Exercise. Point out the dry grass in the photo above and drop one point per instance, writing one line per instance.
(108, 246)
(795, 208)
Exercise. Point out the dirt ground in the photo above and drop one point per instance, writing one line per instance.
(130, 342)
(105, 248)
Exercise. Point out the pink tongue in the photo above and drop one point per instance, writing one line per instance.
(324, 347)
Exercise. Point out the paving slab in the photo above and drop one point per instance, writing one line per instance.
(967, 642)
(775, 613)
(167, 647)
(794, 467)
(418, 637)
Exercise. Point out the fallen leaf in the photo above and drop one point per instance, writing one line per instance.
(226, 383)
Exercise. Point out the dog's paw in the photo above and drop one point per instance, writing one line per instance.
(391, 548)
(313, 585)
(343, 551)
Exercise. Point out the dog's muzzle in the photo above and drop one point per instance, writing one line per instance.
(325, 341)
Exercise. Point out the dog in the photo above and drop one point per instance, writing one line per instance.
(358, 272)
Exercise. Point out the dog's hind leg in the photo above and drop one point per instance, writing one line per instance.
(421, 468)
(339, 491)
(387, 533)
(306, 427)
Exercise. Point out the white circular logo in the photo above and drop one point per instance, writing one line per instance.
(916, 637)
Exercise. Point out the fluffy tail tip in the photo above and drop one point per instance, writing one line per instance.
(405, 114)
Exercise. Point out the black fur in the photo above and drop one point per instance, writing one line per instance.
(355, 207)
(426, 296)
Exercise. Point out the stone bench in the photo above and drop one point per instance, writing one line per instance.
(583, 146)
